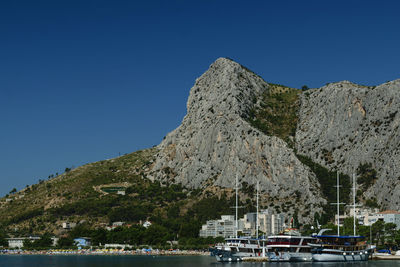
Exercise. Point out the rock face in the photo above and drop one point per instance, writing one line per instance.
(215, 143)
(343, 125)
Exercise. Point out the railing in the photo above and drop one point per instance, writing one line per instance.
(283, 243)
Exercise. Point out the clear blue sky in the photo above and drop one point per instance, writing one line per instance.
(82, 81)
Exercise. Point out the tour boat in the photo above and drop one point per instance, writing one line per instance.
(234, 249)
(340, 248)
(289, 246)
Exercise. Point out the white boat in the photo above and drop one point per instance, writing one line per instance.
(340, 248)
(289, 246)
(240, 247)
(383, 252)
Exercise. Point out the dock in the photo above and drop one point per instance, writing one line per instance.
(255, 259)
(386, 257)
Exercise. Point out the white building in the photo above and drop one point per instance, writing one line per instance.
(368, 217)
(68, 225)
(341, 219)
(391, 216)
(18, 242)
(268, 224)
(364, 216)
(146, 224)
(224, 227)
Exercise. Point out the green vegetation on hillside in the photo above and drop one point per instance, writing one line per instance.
(366, 176)
(277, 112)
(88, 196)
(328, 180)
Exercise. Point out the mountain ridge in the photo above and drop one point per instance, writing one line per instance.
(238, 124)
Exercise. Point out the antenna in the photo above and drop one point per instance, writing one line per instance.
(337, 202)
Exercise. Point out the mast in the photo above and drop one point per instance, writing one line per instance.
(337, 202)
(236, 208)
(257, 210)
(354, 205)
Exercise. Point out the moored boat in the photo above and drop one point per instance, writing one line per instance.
(239, 247)
(340, 248)
(289, 246)
(226, 256)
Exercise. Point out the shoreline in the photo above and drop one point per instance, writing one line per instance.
(106, 252)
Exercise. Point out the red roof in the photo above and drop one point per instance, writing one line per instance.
(389, 212)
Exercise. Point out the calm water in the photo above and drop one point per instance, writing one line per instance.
(159, 261)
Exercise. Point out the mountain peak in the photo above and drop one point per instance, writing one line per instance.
(215, 142)
(226, 88)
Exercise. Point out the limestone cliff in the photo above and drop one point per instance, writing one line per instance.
(344, 125)
(215, 143)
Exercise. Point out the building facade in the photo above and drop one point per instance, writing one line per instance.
(18, 242)
(268, 224)
(367, 217)
(224, 227)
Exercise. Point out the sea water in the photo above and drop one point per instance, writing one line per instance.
(159, 261)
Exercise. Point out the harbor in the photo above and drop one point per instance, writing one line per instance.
(290, 246)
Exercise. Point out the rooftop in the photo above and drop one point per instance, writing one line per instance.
(389, 212)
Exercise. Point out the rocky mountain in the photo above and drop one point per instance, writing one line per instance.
(215, 142)
(344, 126)
(292, 142)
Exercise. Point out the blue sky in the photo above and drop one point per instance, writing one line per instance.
(82, 81)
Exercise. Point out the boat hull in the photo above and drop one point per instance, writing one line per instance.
(358, 256)
(275, 257)
(289, 256)
(226, 256)
(300, 257)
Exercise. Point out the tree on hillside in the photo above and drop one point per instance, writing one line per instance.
(378, 229)
(65, 242)
(390, 233)
(3, 241)
(366, 175)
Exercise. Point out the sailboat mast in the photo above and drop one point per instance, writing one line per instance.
(236, 207)
(338, 203)
(257, 211)
(354, 205)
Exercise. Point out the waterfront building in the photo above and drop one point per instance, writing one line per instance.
(391, 216)
(18, 242)
(368, 216)
(82, 242)
(224, 227)
(268, 224)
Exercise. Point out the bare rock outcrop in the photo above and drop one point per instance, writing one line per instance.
(215, 143)
(343, 125)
